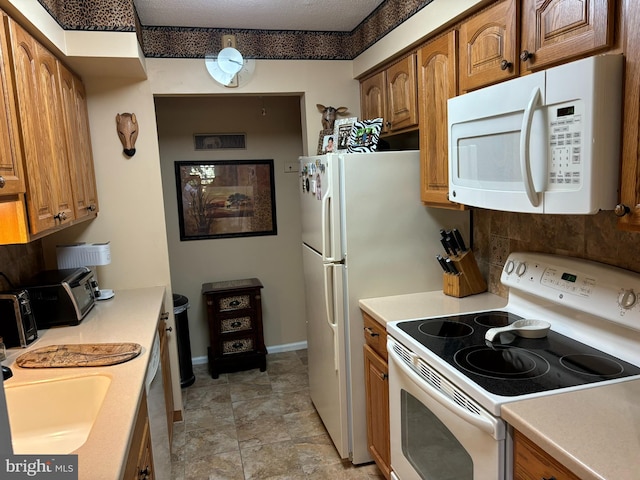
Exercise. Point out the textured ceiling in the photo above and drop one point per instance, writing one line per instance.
(311, 15)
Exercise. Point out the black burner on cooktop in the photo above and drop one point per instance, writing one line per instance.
(495, 319)
(501, 362)
(597, 365)
(515, 366)
(443, 328)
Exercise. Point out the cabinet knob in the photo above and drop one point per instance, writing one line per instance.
(92, 207)
(144, 474)
(236, 324)
(234, 303)
(526, 55)
(60, 216)
(2, 181)
(237, 345)
(371, 332)
(384, 376)
(550, 478)
(169, 329)
(621, 210)
(505, 65)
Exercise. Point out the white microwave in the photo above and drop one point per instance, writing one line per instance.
(548, 142)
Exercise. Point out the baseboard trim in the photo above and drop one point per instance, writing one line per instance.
(288, 347)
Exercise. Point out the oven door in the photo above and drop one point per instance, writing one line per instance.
(439, 433)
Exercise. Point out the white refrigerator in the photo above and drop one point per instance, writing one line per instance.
(365, 233)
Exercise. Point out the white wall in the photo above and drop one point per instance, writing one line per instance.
(274, 259)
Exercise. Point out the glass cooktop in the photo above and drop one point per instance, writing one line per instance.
(512, 365)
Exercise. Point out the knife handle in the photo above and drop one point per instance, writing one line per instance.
(459, 239)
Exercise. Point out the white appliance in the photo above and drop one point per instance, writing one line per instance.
(156, 407)
(86, 255)
(447, 384)
(365, 234)
(548, 142)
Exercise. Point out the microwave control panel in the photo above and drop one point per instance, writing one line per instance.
(566, 134)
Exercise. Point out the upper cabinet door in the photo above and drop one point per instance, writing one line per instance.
(78, 144)
(52, 130)
(555, 31)
(401, 94)
(11, 175)
(373, 98)
(488, 46)
(41, 183)
(437, 83)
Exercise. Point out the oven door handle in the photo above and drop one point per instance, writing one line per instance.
(485, 422)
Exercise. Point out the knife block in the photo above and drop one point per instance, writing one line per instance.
(469, 280)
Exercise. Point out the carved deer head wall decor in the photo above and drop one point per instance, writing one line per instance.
(127, 126)
(329, 115)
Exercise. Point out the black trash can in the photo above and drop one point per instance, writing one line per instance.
(180, 306)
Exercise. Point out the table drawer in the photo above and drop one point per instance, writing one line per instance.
(235, 302)
(237, 345)
(235, 324)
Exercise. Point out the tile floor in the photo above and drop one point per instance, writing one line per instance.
(256, 425)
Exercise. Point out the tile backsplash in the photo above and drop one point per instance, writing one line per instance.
(593, 237)
(20, 262)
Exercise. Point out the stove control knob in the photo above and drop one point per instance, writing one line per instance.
(522, 268)
(509, 267)
(627, 298)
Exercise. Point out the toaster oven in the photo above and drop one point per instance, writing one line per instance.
(61, 297)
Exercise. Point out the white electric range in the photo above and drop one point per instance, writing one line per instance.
(447, 383)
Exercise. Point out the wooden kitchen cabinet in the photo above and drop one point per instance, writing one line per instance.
(78, 139)
(234, 315)
(11, 174)
(392, 95)
(437, 82)
(556, 31)
(377, 393)
(56, 162)
(533, 463)
(49, 197)
(488, 46)
(139, 464)
(629, 207)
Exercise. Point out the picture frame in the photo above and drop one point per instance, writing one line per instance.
(342, 131)
(364, 136)
(321, 140)
(225, 198)
(219, 141)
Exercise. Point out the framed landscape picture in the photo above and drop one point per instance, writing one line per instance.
(225, 198)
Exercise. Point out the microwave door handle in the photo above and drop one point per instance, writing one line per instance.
(525, 140)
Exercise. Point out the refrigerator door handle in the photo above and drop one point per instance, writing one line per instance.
(327, 237)
(328, 301)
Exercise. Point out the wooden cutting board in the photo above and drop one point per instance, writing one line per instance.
(79, 355)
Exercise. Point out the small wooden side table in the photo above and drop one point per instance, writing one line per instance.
(234, 315)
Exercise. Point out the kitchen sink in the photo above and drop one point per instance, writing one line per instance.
(54, 416)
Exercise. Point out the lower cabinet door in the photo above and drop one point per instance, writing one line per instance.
(377, 389)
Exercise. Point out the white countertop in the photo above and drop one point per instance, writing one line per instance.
(427, 304)
(131, 316)
(595, 433)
